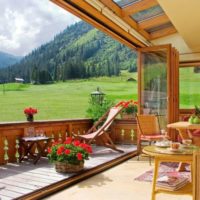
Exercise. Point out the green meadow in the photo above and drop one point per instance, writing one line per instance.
(70, 99)
(61, 100)
(189, 88)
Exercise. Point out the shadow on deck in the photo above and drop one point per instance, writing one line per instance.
(28, 181)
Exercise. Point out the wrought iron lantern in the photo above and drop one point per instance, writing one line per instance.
(97, 96)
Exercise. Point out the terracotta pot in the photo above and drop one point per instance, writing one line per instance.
(68, 168)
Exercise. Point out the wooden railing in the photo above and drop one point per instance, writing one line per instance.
(10, 134)
(122, 132)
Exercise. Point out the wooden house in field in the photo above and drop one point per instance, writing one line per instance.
(19, 80)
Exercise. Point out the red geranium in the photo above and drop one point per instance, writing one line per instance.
(49, 150)
(130, 107)
(79, 156)
(70, 151)
(67, 151)
(76, 143)
(59, 152)
(68, 140)
(30, 111)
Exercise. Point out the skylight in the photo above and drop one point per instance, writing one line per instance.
(160, 27)
(147, 14)
(123, 3)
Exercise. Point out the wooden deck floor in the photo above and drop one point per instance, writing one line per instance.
(28, 181)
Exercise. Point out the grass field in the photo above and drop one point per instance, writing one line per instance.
(70, 99)
(61, 100)
(189, 88)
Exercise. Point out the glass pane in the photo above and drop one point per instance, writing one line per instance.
(148, 13)
(123, 3)
(189, 87)
(154, 84)
(157, 28)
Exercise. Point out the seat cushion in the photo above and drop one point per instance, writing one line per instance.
(151, 137)
(196, 133)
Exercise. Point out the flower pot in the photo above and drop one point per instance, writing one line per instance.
(128, 116)
(68, 168)
(30, 118)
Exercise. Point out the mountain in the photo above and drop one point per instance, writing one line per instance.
(8, 59)
(80, 51)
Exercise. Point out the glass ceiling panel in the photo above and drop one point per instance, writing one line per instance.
(147, 14)
(160, 27)
(123, 3)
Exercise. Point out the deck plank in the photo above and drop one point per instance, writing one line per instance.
(18, 179)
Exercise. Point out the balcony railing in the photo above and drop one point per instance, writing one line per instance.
(121, 132)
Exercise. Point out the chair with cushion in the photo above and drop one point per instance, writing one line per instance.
(100, 134)
(149, 130)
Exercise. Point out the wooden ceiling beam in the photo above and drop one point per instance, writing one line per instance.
(139, 6)
(133, 24)
(112, 6)
(90, 14)
(163, 32)
(153, 22)
(118, 11)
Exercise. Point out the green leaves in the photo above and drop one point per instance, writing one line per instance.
(96, 110)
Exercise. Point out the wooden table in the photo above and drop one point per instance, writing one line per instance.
(164, 155)
(29, 143)
(182, 128)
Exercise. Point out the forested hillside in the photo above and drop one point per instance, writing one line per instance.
(7, 59)
(80, 51)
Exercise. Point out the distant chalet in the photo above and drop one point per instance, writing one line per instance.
(19, 80)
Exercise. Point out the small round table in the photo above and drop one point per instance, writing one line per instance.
(165, 155)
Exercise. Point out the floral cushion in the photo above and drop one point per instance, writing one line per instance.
(151, 137)
(196, 133)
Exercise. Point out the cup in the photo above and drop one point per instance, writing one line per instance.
(163, 132)
(175, 145)
(187, 142)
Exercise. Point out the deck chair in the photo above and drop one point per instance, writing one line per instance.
(101, 134)
(149, 130)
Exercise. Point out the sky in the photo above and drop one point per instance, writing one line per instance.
(26, 24)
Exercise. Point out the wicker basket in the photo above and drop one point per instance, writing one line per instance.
(68, 168)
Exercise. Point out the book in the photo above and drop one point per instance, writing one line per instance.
(171, 183)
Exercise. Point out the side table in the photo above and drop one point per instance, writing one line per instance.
(28, 143)
(162, 155)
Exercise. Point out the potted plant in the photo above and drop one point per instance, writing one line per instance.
(29, 112)
(195, 118)
(130, 110)
(69, 156)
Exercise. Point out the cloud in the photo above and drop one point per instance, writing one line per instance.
(26, 24)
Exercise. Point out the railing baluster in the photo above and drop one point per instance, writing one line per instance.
(53, 137)
(60, 137)
(17, 150)
(66, 134)
(132, 134)
(122, 134)
(6, 157)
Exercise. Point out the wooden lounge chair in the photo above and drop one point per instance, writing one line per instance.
(101, 134)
